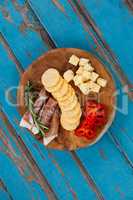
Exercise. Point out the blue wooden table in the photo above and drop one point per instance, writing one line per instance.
(28, 171)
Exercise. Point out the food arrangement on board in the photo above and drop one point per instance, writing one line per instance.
(66, 107)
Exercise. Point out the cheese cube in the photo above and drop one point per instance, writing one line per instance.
(94, 76)
(84, 88)
(94, 87)
(74, 60)
(86, 75)
(83, 61)
(102, 82)
(89, 84)
(68, 75)
(88, 67)
(80, 70)
(77, 80)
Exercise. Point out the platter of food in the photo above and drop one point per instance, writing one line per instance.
(66, 99)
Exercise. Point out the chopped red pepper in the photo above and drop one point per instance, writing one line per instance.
(96, 112)
(95, 116)
(85, 130)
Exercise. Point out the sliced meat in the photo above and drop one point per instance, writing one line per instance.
(54, 128)
(54, 125)
(47, 111)
(40, 101)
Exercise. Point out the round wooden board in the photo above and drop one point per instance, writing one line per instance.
(58, 58)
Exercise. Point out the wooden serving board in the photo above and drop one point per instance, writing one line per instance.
(58, 58)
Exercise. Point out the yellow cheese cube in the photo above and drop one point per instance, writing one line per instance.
(83, 61)
(77, 80)
(86, 75)
(80, 70)
(88, 67)
(94, 87)
(74, 60)
(68, 75)
(84, 88)
(94, 76)
(102, 82)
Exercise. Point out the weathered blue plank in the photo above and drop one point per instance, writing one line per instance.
(79, 34)
(58, 39)
(67, 38)
(115, 23)
(4, 195)
(12, 178)
(27, 178)
(109, 170)
(20, 30)
(46, 165)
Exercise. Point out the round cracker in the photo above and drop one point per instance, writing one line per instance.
(56, 87)
(67, 126)
(50, 77)
(68, 95)
(69, 106)
(73, 113)
(69, 120)
(62, 91)
(69, 99)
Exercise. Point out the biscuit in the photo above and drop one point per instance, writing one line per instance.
(56, 87)
(67, 126)
(48, 75)
(62, 91)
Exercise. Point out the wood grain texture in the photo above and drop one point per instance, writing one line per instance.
(26, 52)
(103, 156)
(22, 158)
(46, 165)
(129, 4)
(104, 31)
(58, 59)
(4, 194)
(60, 187)
(108, 54)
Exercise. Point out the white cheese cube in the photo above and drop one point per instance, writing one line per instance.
(102, 82)
(83, 61)
(80, 70)
(86, 75)
(77, 80)
(84, 88)
(68, 75)
(94, 76)
(88, 67)
(94, 87)
(74, 60)
(89, 83)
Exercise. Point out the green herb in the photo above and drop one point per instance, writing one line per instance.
(29, 102)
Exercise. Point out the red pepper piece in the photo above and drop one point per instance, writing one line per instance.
(97, 112)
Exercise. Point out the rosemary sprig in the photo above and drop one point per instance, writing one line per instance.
(29, 101)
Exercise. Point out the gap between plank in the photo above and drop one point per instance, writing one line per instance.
(42, 180)
(129, 4)
(124, 81)
(47, 39)
(40, 29)
(86, 19)
(89, 179)
(11, 54)
(120, 148)
(2, 184)
(83, 170)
